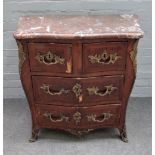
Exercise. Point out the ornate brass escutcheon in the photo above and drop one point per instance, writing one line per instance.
(77, 89)
(77, 117)
(101, 118)
(104, 58)
(96, 91)
(50, 58)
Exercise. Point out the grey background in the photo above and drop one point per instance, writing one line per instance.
(13, 9)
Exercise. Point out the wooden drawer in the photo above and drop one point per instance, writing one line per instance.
(50, 57)
(55, 116)
(106, 56)
(54, 90)
(77, 91)
(75, 117)
(104, 89)
(96, 116)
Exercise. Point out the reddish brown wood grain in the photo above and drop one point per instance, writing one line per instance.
(68, 97)
(79, 121)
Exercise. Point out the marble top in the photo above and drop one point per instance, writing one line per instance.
(76, 26)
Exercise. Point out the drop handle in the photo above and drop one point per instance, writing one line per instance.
(104, 58)
(54, 118)
(47, 90)
(76, 89)
(96, 91)
(101, 118)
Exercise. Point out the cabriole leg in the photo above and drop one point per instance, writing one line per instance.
(34, 137)
(123, 134)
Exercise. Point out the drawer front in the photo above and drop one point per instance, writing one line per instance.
(55, 116)
(104, 89)
(75, 117)
(53, 90)
(50, 57)
(77, 91)
(103, 115)
(100, 57)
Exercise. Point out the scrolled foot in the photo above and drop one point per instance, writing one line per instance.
(123, 134)
(34, 136)
(32, 139)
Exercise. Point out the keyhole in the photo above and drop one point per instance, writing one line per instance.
(104, 56)
(49, 56)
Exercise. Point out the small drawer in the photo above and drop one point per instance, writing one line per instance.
(50, 57)
(101, 57)
(103, 115)
(77, 91)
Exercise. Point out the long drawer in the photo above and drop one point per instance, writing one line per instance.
(77, 91)
(77, 117)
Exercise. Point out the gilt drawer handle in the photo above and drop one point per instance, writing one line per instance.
(50, 59)
(96, 91)
(99, 119)
(55, 119)
(104, 58)
(46, 89)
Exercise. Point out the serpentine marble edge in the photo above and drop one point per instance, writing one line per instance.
(79, 26)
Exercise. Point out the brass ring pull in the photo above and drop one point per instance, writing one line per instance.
(46, 89)
(55, 119)
(95, 90)
(104, 58)
(50, 59)
(99, 119)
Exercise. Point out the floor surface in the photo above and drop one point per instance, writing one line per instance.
(17, 131)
